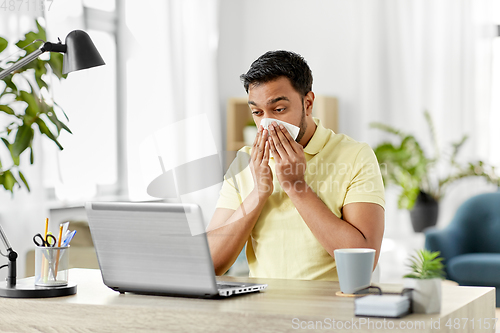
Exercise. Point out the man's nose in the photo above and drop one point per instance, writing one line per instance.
(266, 115)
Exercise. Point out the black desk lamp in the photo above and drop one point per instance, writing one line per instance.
(26, 288)
(79, 53)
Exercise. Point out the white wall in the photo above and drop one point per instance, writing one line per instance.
(320, 30)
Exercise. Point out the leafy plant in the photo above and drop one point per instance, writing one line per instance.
(407, 166)
(24, 105)
(426, 265)
(251, 123)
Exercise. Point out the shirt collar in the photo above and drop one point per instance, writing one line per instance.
(319, 138)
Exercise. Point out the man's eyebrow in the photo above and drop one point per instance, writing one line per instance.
(277, 99)
(271, 101)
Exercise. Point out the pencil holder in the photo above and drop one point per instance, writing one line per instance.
(51, 266)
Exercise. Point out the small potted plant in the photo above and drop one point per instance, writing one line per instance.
(249, 132)
(427, 271)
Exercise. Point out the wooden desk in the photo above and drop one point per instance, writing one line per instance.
(95, 308)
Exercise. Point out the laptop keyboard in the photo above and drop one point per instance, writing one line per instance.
(223, 286)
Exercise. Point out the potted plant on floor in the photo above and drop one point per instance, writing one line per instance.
(427, 271)
(406, 165)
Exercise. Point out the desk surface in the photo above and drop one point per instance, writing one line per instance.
(284, 306)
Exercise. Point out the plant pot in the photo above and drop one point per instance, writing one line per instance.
(249, 134)
(426, 295)
(425, 212)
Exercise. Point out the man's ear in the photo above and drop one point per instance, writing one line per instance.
(308, 103)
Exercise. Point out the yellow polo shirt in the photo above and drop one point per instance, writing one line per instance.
(281, 245)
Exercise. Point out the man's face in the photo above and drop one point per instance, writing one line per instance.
(277, 99)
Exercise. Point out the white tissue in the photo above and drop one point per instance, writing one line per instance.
(292, 129)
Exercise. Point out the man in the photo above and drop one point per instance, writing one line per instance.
(293, 202)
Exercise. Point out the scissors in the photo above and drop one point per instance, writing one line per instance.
(50, 241)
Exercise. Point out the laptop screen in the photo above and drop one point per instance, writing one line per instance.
(150, 247)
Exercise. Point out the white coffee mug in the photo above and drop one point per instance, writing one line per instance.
(354, 268)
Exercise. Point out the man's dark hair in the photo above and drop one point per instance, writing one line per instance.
(274, 64)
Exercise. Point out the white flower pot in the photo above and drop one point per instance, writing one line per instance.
(426, 295)
(249, 134)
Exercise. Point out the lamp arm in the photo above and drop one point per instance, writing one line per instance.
(12, 273)
(5, 241)
(26, 60)
(48, 46)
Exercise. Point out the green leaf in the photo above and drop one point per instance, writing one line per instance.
(60, 108)
(24, 181)
(41, 31)
(33, 91)
(408, 197)
(45, 130)
(411, 276)
(60, 125)
(32, 108)
(43, 107)
(7, 143)
(56, 63)
(15, 159)
(3, 44)
(40, 70)
(6, 109)
(41, 83)
(10, 84)
(29, 45)
(23, 139)
(457, 146)
(432, 130)
(32, 36)
(8, 181)
(387, 128)
(426, 265)
(29, 38)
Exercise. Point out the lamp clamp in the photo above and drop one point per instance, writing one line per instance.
(53, 47)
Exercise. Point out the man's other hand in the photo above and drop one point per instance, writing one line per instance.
(259, 165)
(289, 157)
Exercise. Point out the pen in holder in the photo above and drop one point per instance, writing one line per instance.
(51, 266)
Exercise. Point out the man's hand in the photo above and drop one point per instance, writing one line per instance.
(259, 165)
(289, 157)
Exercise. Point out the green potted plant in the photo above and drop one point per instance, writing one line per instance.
(406, 165)
(427, 271)
(27, 106)
(249, 132)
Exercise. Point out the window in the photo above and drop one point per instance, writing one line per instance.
(89, 160)
(495, 104)
(88, 165)
(106, 5)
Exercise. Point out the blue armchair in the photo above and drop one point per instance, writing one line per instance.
(470, 244)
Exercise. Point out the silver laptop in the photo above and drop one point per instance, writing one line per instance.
(149, 248)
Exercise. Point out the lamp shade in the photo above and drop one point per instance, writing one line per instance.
(81, 52)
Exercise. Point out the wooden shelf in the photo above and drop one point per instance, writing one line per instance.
(238, 116)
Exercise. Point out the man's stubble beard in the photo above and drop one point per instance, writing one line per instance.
(302, 125)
